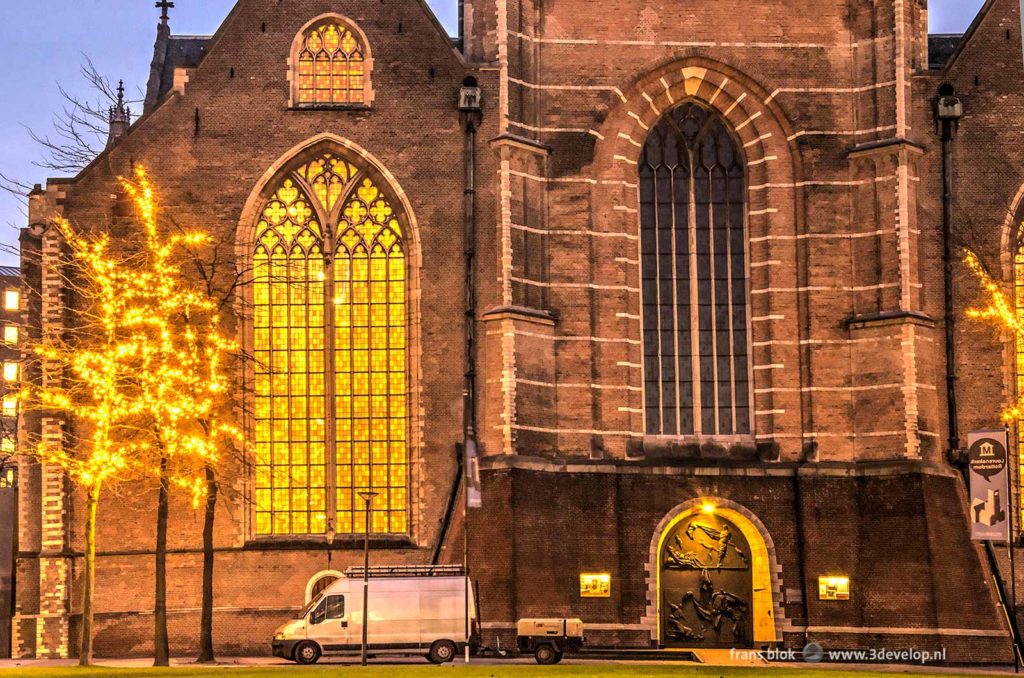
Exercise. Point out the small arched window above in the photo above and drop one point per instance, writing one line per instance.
(330, 65)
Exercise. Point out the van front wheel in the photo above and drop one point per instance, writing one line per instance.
(307, 653)
(442, 652)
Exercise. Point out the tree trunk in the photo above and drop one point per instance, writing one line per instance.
(91, 502)
(161, 648)
(206, 621)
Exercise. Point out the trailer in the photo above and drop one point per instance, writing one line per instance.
(548, 640)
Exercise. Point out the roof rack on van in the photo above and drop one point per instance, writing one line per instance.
(383, 571)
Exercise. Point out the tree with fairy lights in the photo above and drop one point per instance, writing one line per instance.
(185, 380)
(145, 373)
(90, 375)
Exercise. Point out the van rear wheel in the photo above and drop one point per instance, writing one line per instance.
(442, 652)
(307, 652)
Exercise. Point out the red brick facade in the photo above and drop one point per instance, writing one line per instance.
(846, 470)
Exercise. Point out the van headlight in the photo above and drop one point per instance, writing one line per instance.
(278, 636)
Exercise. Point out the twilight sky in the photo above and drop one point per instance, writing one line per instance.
(117, 35)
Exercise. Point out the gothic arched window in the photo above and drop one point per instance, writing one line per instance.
(332, 66)
(694, 277)
(330, 392)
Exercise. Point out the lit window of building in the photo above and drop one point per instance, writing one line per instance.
(332, 67)
(322, 437)
(10, 335)
(12, 300)
(10, 371)
(7, 445)
(10, 407)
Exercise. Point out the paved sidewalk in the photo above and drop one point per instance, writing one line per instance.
(709, 658)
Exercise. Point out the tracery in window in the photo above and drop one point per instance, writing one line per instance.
(330, 352)
(694, 277)
(332, 67)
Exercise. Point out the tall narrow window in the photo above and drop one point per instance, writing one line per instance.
(329, 345)
(694, 277)
(332, 67)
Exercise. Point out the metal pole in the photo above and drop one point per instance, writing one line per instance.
(368, 498)
(465, 551)
(1011, 543)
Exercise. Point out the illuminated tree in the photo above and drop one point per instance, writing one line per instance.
(142, 368)
(90, 376)
(184, 380)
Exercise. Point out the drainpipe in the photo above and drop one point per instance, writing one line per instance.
(470, 108)
(948, 112)
(470, 111)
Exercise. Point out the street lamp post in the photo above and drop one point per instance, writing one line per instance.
(366, 496)
(331, 533)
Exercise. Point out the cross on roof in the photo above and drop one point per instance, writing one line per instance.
(163, 6)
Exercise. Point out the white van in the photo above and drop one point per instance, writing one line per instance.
(413, 610)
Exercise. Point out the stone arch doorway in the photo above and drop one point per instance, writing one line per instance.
(715, 582)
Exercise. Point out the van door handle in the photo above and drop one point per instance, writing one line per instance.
(344, 624)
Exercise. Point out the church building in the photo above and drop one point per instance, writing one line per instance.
(674, 269)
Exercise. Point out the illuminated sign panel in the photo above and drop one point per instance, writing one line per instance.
(595, 585)
(834, 588)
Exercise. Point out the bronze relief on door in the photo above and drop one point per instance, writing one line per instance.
(706, 585)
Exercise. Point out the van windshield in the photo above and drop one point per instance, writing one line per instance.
(309, 606)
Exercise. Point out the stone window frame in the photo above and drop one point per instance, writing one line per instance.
(293, 63)
(774, 211)
(244, 252)
(714, 118)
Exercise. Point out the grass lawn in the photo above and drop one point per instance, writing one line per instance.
(479, 671)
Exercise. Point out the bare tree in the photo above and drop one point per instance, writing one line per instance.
(82, 126)
(79, 129)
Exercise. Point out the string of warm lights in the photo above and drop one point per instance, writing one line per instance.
(154, 361)
(1000, 312)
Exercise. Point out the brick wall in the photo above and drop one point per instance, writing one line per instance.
(833, 115)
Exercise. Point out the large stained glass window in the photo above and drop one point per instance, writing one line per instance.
(694, 277)
(329, 295)
(331, 67)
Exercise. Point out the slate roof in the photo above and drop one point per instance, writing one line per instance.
(180, 51)
(941, 48)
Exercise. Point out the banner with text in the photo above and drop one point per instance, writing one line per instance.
(990, 488)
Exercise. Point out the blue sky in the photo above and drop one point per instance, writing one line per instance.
(38, 52)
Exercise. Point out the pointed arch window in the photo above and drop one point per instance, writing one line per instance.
(331, 66)
(329, 340)
(694, 277)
